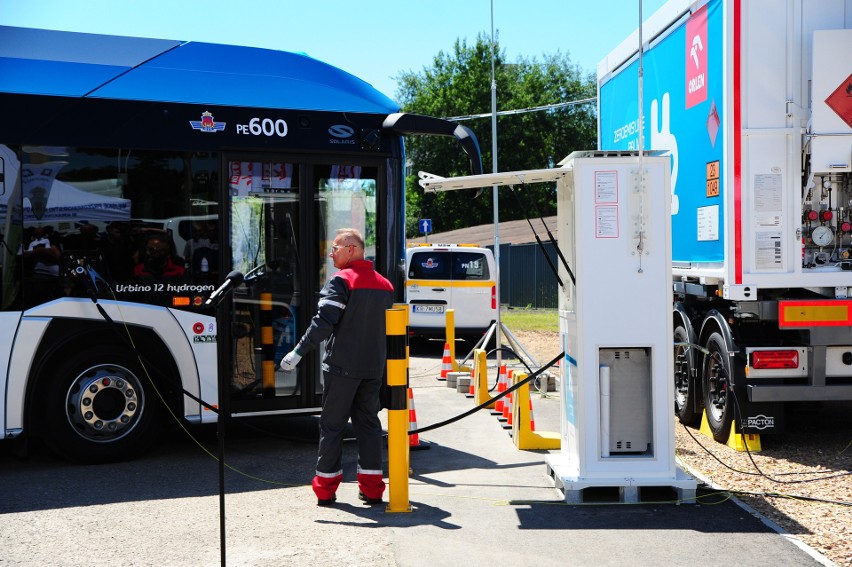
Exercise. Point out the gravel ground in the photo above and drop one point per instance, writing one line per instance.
(800, 480)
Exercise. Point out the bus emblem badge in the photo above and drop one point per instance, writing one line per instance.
(207, 124)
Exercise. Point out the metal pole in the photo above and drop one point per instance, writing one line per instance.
(640, 87)
(496, 206)
(223, 377)
(224, 391)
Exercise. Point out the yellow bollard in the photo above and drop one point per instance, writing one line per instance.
(451, 336)
(397, 379)
(480, 374)
(523, 435)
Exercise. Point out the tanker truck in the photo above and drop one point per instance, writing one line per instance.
(752, 101)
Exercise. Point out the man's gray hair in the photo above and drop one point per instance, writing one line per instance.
(352, 234)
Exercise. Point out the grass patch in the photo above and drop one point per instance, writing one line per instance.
(530, 319)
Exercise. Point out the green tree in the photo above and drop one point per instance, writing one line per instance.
(459, 84)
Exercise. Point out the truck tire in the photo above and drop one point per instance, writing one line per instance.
(101, 407)
(716, 379)
(685, 387)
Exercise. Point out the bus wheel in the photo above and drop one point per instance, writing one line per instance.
(685, 388)
(717, 385)
(102, 407)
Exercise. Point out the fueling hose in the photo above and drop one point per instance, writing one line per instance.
(541, 244)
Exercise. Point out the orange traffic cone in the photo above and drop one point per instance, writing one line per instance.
(472, 390)
(507, 408)
(446, 363)
(532, 417)
(413, 440)
(501, 387)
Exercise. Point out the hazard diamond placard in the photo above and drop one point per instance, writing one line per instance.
(840, 101)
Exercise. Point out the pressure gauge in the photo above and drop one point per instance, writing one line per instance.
(822, 236)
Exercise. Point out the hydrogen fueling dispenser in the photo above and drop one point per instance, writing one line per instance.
(613, 216)
(615, 327)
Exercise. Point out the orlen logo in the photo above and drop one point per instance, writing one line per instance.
(696, 58)
(341, 134)
(760, 422)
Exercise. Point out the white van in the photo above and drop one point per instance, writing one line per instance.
(461, 277)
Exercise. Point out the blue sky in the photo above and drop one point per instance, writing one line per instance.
(372, 39)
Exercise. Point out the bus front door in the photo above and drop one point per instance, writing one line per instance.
(264, 218)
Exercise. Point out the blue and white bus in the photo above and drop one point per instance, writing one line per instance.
(134, 175)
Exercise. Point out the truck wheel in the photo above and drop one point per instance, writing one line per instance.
(684, 383)
(101, 407)
(717, 383)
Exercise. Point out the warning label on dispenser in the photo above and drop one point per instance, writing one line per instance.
(606, 221)
(606, 187)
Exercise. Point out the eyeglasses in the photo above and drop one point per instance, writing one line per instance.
(335, 247)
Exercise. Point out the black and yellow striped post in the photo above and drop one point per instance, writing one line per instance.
(405, 307)
(267, 365)
(396, 320)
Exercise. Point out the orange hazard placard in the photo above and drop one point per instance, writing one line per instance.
(713, 178)
(840, 101)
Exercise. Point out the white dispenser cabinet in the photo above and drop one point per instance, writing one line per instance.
(616, 327)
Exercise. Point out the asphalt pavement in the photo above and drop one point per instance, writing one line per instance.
(475, 498)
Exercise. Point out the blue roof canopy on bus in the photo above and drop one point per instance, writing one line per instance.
(71, 64)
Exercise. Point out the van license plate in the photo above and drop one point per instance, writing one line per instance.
(428, 308)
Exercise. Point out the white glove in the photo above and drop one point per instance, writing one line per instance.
(290, 360)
